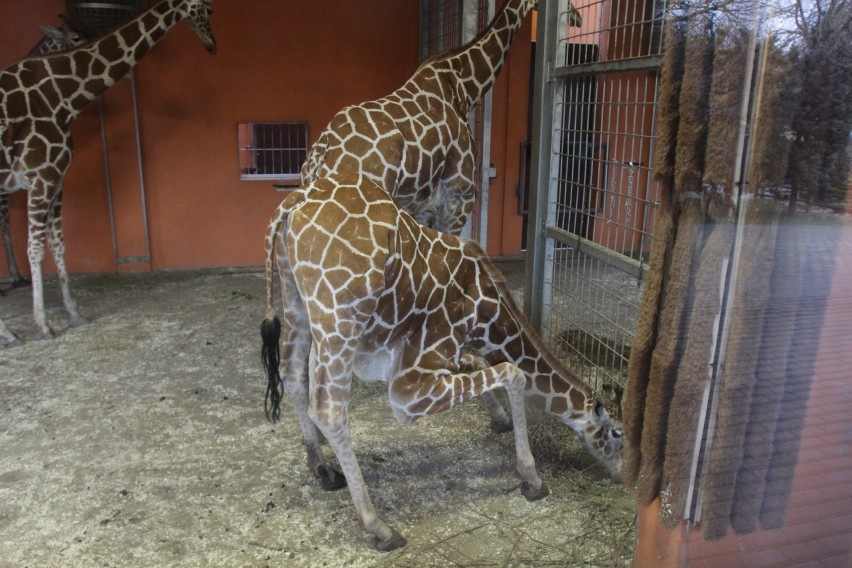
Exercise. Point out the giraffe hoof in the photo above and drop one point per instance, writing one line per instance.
(20, 283)
(16, 342)
(77, 321)
(330, 479)
(534, 494)
(45, 335)
(502, 426)
(394, 541)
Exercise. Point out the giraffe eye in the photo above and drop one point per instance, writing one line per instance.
(616, 433)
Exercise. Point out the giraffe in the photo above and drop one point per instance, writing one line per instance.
(54, 39)
(416, 142)
(369, 291)
(39, 99)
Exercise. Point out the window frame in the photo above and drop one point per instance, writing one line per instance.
(249, 150)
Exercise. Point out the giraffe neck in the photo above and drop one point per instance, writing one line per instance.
(550, 385)
(477, 64)
(84, 73)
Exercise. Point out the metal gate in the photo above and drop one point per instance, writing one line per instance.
(445, 25)
(594, 200)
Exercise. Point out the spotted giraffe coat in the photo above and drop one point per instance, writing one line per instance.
(370, 292)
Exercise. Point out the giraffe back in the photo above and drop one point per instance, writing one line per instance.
(352, 250)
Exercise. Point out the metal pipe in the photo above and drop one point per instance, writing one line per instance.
(147, 257)
(107, 178)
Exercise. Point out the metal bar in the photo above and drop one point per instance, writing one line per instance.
(624, 263)
(542, 151)
(648, 63)
(485, 169)
(108, 178)
(108, 6)
(521, 189)
(138, 134)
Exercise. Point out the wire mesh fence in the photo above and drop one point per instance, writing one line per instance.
(602, 199)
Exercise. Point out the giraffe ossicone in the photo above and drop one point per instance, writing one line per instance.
(40, 96)
(368, 291)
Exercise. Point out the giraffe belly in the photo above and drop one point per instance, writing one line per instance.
(375, 364)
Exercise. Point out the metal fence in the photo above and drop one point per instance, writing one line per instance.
(595, 202)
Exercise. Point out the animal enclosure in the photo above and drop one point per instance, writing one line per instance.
(143, 443)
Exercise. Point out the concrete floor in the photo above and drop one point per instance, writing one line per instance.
(140, 440)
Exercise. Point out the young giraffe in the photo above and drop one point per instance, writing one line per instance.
(416, 142)
(54, 39)
(368, 290)
(39, 99)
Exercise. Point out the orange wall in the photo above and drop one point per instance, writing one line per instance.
(508, 131)
(277, 61)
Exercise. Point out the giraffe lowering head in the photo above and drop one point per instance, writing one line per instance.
(603, 435)
(553, 388)
(370, 292)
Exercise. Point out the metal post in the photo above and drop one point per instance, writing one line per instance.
(485, 166)
(542, 155)
(143, 198)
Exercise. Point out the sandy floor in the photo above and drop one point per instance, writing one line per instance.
(140, 440)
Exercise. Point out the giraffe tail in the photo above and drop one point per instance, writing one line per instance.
(270, 328)
(270, 354)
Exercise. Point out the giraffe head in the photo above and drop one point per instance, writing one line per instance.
(62, 38)
(196, 13)
(58, 39)
(602, 432)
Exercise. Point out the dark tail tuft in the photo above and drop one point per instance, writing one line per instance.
(270, 333)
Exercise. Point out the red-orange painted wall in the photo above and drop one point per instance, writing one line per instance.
(508, 131)
(277, 61)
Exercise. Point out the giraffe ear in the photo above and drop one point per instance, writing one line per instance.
(613, 403)
(600, 408)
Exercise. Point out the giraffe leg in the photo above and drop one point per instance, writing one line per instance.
(441, 390)
(331, 374)
(295, 348)
(17, 279)
(56, 241)
(296, 345)
(10, 339)
(37, 211)
(500, 421)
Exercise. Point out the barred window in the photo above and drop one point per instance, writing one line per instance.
(272, 150)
